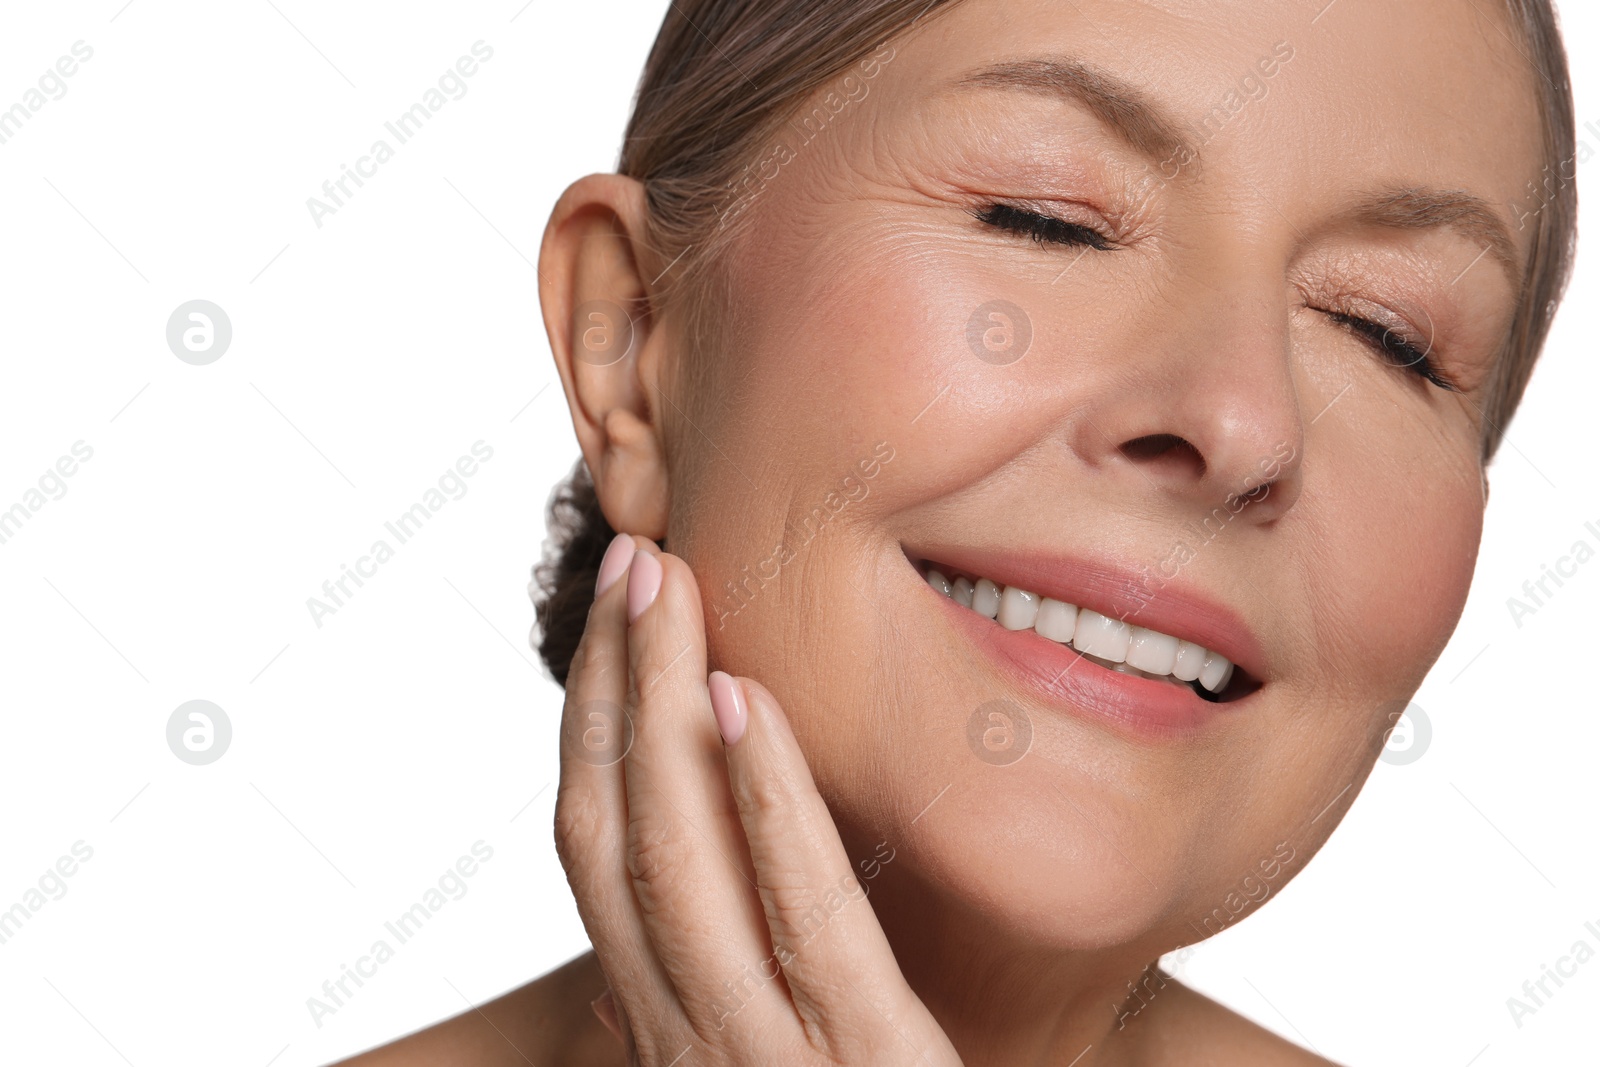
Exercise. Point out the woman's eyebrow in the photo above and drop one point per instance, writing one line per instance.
(1145, 126)
(1119, 105)
(1464, 213)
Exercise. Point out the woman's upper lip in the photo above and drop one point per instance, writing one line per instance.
(1169, 607)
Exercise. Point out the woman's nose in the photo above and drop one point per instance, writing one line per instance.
(1204, 410)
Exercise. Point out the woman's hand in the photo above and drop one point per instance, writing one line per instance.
(710, 877)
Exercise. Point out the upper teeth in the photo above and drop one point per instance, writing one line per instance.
(1112, 642)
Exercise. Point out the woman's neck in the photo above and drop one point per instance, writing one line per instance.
(1006, 1001)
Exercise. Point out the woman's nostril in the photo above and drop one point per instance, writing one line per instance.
(1164, 446)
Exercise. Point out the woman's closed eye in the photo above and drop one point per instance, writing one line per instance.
(1396, 349)
(1045, 229)
(1389, 343)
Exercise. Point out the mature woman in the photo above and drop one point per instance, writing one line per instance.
(1031, 452)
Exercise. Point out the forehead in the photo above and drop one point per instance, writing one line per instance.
(1373, 92)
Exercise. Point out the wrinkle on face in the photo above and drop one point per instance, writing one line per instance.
(852, 288)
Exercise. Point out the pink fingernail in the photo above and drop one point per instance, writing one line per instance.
(644, 582)
(618, 553)
(727, 703)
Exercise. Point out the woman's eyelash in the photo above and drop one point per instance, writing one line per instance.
(1395, 349)
(1044, 229)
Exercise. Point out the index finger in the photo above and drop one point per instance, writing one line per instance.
(686, 849)
(591, 816)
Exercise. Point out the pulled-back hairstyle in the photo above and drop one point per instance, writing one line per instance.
(722, 78)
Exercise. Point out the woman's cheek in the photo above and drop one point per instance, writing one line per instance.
(1406, 565)
(869, 341)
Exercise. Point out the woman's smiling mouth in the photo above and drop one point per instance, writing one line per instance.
(1109, 642)
(1165, 677)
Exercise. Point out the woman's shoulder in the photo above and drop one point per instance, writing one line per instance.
(1194, 1030)
(546, 1021)
(549, 1020)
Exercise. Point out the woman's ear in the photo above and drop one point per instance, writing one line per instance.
(609, 341)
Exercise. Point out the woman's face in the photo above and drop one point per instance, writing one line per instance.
(1240, 189)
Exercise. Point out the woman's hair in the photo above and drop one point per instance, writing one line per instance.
(723, 77)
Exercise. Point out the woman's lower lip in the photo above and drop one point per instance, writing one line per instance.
(1145, 707)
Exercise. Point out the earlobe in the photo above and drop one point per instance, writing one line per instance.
(631, 479)
(607, 339)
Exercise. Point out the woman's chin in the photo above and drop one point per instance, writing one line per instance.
(1039, 877)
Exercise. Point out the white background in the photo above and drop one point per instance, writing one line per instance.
(371, 752)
